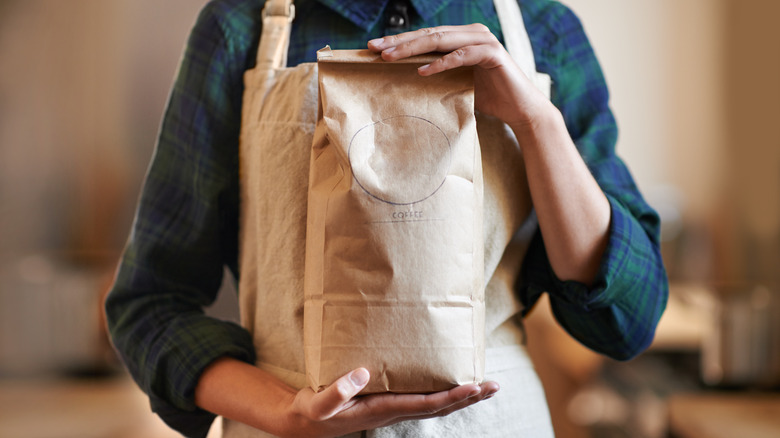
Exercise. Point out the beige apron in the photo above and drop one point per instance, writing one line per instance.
(278, 120)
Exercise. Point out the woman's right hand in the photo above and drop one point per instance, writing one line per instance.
(338, 410)
(247, 394)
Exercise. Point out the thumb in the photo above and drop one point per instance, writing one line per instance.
(335, 398)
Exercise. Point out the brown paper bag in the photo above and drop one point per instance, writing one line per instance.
(394, 245)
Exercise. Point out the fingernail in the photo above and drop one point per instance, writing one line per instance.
(388, 50)
(474, 391)
(376, 41)
(359, 377)
(424, 68)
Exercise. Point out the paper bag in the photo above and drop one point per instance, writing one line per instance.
(394, 246)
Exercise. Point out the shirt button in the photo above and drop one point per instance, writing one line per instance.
(396, 20)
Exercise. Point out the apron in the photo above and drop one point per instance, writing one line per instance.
(278, 120)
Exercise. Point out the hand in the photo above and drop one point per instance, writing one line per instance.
(501, 89)
(245, 393)
(337, 411)
(573, 213)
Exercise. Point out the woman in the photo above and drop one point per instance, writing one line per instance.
(595, 249)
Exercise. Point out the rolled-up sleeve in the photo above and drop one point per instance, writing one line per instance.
(617, 315)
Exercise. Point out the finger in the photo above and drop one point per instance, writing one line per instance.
(487, 390)
(388, 41)
(338, 396)
(414, 405)
(439, 42)
(485, 57)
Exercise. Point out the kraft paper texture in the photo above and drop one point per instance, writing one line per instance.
(394, 265)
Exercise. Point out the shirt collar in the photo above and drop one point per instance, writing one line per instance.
(367, 13)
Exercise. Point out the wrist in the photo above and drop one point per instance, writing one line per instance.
(292, 422)
(245, 393)
(542, 126)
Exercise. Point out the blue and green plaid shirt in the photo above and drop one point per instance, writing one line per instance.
(187, 219)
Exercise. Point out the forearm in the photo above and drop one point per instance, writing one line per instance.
(573, 212)
(242, 392)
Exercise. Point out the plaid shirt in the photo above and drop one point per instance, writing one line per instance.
(185, 231)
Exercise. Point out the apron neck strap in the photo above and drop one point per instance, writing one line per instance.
(275, 39)
(516, 37)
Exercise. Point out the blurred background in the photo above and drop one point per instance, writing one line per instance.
(696, 91)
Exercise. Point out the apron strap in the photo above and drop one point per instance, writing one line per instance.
(275, 39)
(518, 44)
(515, 36)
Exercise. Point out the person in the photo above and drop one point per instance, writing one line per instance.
(595, 249)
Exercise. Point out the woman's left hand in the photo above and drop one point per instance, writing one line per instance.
(500, 87)
(573, 212)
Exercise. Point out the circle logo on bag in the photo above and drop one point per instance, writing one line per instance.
(400, 160)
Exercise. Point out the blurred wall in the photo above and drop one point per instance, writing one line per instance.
(83, 84)
(663, 60)
(695, 92)
(82, 87)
